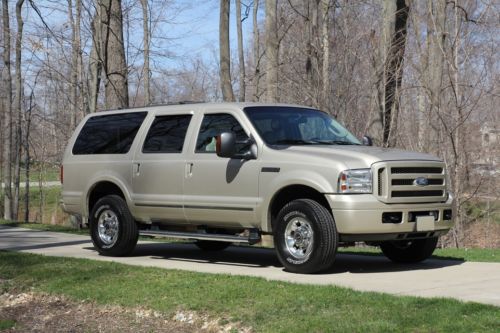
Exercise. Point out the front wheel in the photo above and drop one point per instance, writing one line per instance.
(112, 227)
(410, 251)
(305, 237)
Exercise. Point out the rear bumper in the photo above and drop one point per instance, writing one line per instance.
(359, 217)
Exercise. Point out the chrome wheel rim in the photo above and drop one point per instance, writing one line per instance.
(299, 238)
(108, 227)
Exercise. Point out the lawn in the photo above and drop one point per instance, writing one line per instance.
(266, 306)
(44, 205)
(47, 174)
(464, 254)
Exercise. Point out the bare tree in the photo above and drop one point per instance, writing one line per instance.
(256, 52)
(433, 62)
(115, 66)
(95, 60)
(74, 67)
(17, 149)
(225, 57)
(241, 56)
(392, 48)
(146, 70)
(7, 119)
(272, 48)
(325, 41)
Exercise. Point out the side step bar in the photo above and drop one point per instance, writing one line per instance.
(252, 238)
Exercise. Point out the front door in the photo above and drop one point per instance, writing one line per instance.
(220, 191)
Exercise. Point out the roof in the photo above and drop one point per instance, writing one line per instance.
(197, 106)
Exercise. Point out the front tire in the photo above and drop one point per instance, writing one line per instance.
(411, 251)
(305, 236)
(112, 228)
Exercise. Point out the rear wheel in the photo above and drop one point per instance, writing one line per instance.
(410, 251)
(112, 227)
(211, 245)
(305, 237)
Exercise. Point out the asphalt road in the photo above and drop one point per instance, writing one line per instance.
(466, 281)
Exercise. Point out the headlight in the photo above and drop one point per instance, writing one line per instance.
(355, 181)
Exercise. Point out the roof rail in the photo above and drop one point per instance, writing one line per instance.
(152, 105)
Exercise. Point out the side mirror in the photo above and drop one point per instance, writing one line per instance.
(226, 147)
(367, 141)
(226, 144)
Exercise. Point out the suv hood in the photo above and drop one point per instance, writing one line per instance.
(358, 157)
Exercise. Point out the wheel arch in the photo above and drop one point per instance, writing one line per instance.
(289, 193)
(100, 189)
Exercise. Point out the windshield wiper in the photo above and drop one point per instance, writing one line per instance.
(293, 142)
(335, 142)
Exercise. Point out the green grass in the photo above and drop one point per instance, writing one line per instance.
(465, 254)
(267, 306)
(47, 175)
(46, 227)
(5, 324)
(44, 204)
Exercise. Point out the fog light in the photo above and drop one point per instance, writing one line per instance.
(393, 217)
(447, 214)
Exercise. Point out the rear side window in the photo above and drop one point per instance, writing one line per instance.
(167, 134)
(108, 134)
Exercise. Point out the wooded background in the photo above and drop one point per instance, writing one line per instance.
(418, 75)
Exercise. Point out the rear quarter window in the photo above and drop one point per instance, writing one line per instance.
(108, 134)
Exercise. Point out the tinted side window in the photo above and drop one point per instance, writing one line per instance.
(108, 134)
(213, 125)
(167, 134)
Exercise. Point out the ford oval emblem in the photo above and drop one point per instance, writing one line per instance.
(421, 181)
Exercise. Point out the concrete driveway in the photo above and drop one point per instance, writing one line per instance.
(467, 281)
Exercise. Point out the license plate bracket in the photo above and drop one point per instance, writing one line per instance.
(425, 223)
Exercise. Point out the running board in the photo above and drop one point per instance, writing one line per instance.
(252, 238)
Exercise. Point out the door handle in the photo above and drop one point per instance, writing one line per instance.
(137, 169)
(189, 170)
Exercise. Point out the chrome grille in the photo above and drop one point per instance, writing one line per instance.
(396, 181)
(416, 170)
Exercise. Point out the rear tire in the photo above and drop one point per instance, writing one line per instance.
(305, 237)
(411, 251)
(112, 228)
(211, 245)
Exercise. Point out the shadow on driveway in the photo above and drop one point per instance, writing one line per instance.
(263, 257)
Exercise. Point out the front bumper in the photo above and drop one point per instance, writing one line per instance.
(361, 215)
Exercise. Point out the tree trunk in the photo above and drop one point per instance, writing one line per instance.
(146, 69)
(272, 48)
(115, 66)
(74, 69)
(392, 50)
(311, 64)
(325, 43)
(241, 56)
(19, 112)
(7, 119)
(95, 61)
(225, 57)
(83, 93)
(27, 165)
(256, 52)
(433, 72)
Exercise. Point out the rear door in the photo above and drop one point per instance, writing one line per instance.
(158, 169)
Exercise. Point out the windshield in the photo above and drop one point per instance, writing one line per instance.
(280, 125)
